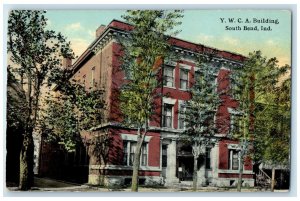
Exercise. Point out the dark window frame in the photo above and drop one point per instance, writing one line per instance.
(184, 80)
(168, 108)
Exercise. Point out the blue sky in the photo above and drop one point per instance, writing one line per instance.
(199, 26)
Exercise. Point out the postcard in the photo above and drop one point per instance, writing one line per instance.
(149, 100)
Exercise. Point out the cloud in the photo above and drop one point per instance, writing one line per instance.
(74, 26)
(230, 41)
(203, 38)
(270, 48)
(91, 33)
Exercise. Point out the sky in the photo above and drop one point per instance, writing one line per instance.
(199, 26)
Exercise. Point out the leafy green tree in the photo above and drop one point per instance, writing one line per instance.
(252, 82)
(199, 114)
(35, 53)
(273, 125)
(144, 51)
(71, 110)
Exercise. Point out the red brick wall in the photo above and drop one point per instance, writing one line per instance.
(248, 164)
(223, 155)
(154, 151)
(223, 116)
(116, 80)
(102, 62)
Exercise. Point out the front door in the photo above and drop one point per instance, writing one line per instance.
(185, 168)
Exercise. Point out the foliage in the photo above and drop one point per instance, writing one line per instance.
(273, 125)
(144, 51)
(35, 53)
(15, 102)
(70, 111)
(255, 83)
(200, 111)
(201, 108)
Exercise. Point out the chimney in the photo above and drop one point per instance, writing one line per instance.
(100, 30)
(66, 63)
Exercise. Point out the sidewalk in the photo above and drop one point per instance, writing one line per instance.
(51, 185)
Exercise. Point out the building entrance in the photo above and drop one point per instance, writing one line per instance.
(185, 168)
(185, 163)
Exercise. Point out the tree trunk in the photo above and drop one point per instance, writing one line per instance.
(195, 175)
(239, 186)
(26, 162)
(273, 179)
(136, 163)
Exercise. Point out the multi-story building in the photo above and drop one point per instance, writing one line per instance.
(164, 159)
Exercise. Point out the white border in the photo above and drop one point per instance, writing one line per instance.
(188, 4)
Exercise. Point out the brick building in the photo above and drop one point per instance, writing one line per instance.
(164, 159)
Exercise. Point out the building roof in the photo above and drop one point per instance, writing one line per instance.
(124, 27)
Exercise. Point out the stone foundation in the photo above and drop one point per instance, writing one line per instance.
(115, 181)
(231, 182)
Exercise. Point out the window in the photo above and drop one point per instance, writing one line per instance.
(233, 159)
(210, 122)
(168, 115)
(235, 124)
(181, 122)
(83, 80)
(183, 79)
(125, 152)
(210, 79)
(93, 77)
(132, 151)
(144, 155)
(168, 76)
(129, 150)
(208, 158)
(235, 91)
(164, 159)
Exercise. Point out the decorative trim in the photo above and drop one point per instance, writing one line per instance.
(169, 100)
(170, 63)
(185, 66)
(233, 111)
(132, 137)
(233, 146)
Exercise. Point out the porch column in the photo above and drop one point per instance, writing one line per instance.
(171, 164)
(215, 164)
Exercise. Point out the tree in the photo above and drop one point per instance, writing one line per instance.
(257, 77)
(144, 52)
(35, 53)
(199, 113)
(273, 125)
(72, 110)
(15, 124)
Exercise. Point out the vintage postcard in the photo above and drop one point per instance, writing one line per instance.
(149, 100)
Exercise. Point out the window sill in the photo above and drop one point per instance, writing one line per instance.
(169, 87)
(183, 89)
(164, 127)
